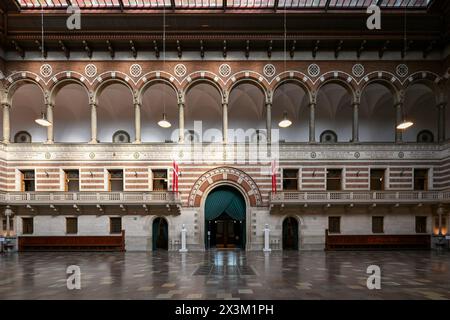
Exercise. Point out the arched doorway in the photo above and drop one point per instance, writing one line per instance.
(160, 234)
(225, 219)
(290, 234)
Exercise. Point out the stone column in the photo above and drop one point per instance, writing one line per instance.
(398, 120)
(269, 121)
(181, 122)
(137, 122)
(440, 212)
(8, 214)
(225, 122)
(50, 137)
(93, 123)
(312, 122)
(6, 123)
(266, 239)
(441, 121)
(355, 126)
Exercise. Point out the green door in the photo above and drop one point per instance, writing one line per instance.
(225, 218)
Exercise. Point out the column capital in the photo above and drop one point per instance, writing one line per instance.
(441, 104)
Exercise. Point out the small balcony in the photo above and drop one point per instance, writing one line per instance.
(157, 198)
(359, 197)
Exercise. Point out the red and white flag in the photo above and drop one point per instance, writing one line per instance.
(274, 177)
(176, 174)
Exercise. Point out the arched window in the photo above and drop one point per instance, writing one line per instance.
(425, 136)
(121, 136)
(22, 137)
(328, 136)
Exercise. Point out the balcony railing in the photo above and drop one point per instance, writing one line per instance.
(153, 197)
(370, 197)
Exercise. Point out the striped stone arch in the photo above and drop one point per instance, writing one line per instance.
(338, 77)
(16, 80)
(430, 79)
(224, 174)
(384, 78)
(251, 77)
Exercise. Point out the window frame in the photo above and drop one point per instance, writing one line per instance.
(339, 220)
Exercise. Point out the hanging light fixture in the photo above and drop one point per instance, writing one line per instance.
(164, 123)
(405, 123)
(42, 120)
(285, 122)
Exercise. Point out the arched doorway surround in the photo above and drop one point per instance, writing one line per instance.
(220, 176)
(160, 234)
(290, 233)
(225, 218)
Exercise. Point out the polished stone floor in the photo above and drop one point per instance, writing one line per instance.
(226, 275)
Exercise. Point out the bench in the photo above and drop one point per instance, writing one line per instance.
(377, 241)
(72, 243)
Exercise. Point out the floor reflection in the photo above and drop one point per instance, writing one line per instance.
(227, 274)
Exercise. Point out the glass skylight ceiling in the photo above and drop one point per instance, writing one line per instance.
(219, 4)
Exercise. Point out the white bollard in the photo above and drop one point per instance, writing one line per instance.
(183, 239)
(266, 239)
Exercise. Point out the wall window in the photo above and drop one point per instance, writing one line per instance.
(115, 178)
(27, 225)
(377, 224)
(27, 181)
(115, 225)
(22, 137)
(421, 224)
(377, 177)
(71, 225)
(290, 179)
(334, 179)
(420, 179)
(159, 180)
(72, 180)
(334, 224)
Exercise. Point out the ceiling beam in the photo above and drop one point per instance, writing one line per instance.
(155, 48)
(41, 48)
(19, 49)
(121, 5)
(224, 49)
(87, 49)
(338, 48)
(270, 48)
(110, 47)
(247, 49)
(180, 52)
(133, 49)
(327, 5)
(275, 5)
(383, 48)
(292, 51)
(172, 5)
(202, 49)
(64, 49)
(315, 48)
(361, 49)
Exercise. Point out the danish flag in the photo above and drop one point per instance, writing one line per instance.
(274, 177)
(176, 174)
